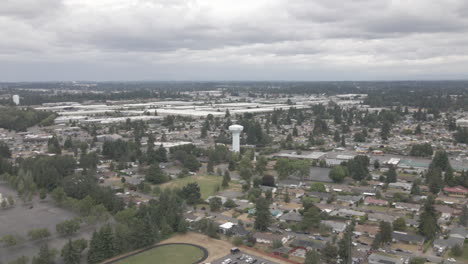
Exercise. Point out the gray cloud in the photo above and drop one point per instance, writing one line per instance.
(221, 39)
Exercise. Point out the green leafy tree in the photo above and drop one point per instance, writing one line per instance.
(9, 240)
(283, 168)
(156, 175)
(38, 233)
(399, 224)
(317, 187)
(68, 227)
(311, 218)
(230, 203)
(337, 173)
(59, 195)
(191, 193)
(215, 204)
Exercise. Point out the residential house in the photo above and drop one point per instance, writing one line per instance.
(377, 217)
(337, 227)
(291, 217)
(440, 245)
(320, 195)
(446, 211)
(408, 206)
(375, 258)
(347, 213)
(349, 199)
(372, 201)
(400, 185)
(267, 238)
(282, 251)
(307, 244)
(407, 238)
(456, 191)
(366, 230)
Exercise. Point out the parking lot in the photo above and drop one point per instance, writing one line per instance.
(242, 258)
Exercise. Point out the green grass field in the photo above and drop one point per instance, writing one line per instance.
(207, 184)
(170, 254)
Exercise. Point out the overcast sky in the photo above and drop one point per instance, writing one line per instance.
(233, 39)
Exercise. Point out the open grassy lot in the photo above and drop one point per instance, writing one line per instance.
(174, 254)
(207, 183)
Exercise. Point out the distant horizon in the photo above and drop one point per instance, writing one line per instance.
(232, 81)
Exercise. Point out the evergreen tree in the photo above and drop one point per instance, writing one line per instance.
(210, 167)
(329, 253)
(53, 146)
(337, 136)
(312, 257)
(428, 226)
(45, 256)
(101, 246)
(344, 245)
(71, 252)
(191, 193)
(418, 130)
(391, 175)
(385, 232)
(376, 242)
(225, 182)
(263, 216)
(385, 130)
(464, 216)
(415, 190)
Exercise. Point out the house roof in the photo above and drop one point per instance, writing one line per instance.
(371, 200)
(367, 229)
(292, 217)
(456, 189)
(405, 237)
(448, 243)
(381, 259)
(282, 250)
(335, 225)
(266, 236)
(408, 205)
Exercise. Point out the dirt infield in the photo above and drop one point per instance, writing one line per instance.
(134, 253)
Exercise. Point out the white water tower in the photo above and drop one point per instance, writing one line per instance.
(16, 99)
(235, 131)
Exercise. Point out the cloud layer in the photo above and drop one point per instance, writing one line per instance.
(233, 40)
